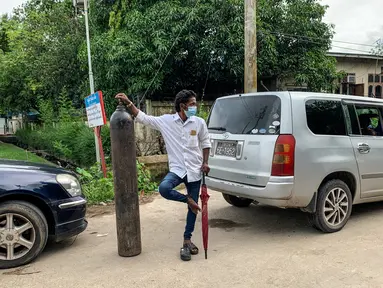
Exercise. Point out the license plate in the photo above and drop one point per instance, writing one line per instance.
(228, 149)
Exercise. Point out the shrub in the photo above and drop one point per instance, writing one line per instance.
(70, 141)
(144, 179)
(98, 189)
(203, 112)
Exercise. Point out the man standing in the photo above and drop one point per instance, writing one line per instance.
(188, 145)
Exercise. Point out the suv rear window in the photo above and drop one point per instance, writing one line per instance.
(246, 115)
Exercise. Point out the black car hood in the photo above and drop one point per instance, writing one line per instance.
(28, 166)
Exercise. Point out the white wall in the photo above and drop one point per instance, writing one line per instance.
(361, 68)
(2, 124)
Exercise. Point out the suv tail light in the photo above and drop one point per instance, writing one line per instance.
(283, 158)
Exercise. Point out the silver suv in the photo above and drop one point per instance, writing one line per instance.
(321, 153)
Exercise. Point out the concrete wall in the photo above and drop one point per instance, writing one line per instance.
(288, 84)
(149, 140)
(361, 68)
(3, 129)
(157, 165)
(158, 108)
(10, 126)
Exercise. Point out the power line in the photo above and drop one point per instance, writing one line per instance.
(352, 49)
(319, 38)
(351, 43)
(306, 39)
(174, 43)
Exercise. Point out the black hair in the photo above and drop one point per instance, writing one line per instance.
(182, 98)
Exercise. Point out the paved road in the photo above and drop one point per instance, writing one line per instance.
(253, 247)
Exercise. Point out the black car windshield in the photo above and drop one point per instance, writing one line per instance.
(246, 115)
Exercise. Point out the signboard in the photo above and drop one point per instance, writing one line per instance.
(95, 110)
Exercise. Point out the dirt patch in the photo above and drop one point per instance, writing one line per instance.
(99, 210)
(227, 225)
(109, 208)
(21, 271)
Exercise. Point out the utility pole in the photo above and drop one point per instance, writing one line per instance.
(91, 79)
(250, 63)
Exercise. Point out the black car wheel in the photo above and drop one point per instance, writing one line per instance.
(334, 207)
(237, 201)
(23, 233)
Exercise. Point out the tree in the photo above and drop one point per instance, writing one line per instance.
(13, 70)
(206, 45)
(157, 47)
(4, 39)
(44, 40)
(378, 49)
(293, 42)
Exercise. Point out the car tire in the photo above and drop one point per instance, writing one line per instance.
(237, 201)
(333, 208)
(35, 237)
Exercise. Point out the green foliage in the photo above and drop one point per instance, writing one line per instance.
(208, 47)
(144, 179)
(99, 189)
(62, 113)
(293, 41)
(45, 108)
(65, 108)
(40, 59)
(142, 33)
(9, 151)
(203, 112)
(4, 39)
(95, 187)
(73, 142)
(44, 51)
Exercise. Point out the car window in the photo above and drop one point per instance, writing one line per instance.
(352, 120)
(325, 117)
(369, 120)
(246, 115)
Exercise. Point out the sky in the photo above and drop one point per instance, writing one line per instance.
(356, 21)
(6, 6)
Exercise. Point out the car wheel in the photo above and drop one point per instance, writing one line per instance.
(237, 201)
(334, 207)
(23, 233)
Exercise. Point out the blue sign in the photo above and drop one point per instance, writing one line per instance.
(92, 100)
(95, 111)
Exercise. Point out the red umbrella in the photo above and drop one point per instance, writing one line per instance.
(205, 224)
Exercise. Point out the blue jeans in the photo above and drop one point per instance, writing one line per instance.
(167, 191)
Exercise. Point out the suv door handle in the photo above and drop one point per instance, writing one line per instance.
(363, 148)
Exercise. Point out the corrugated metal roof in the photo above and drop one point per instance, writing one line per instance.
(354, 55)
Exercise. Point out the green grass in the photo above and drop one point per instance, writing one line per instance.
(12, 152)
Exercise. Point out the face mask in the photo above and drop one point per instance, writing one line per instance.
(192, 111)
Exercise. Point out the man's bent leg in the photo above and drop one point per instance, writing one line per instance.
(167, 186)
(193, 189)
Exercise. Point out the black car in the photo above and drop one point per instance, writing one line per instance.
(36, 202)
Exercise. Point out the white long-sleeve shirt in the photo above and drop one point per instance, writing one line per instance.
(184, 142)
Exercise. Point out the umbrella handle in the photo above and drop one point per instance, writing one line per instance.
(203, 178)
